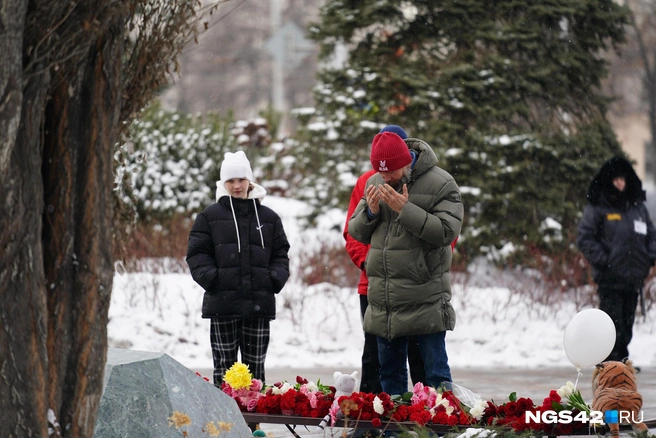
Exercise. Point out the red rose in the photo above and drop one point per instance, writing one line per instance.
(519, 425)
(301, 381)
(511, 409)
(490, 410)
(553, 395)
(376, 422)
(452, 420)
(524, 404)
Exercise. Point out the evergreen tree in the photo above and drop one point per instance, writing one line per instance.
(506, 92)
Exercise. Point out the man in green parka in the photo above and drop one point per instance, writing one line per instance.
(410, 214)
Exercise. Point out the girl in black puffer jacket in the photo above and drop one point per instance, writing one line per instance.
(238, 253)
(618, 239)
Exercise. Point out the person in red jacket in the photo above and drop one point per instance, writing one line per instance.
(370, 380)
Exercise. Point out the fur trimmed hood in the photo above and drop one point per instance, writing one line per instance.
(602, 184)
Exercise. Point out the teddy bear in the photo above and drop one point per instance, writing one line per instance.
(345, 384)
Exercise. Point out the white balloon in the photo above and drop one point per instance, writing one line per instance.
(589, 338)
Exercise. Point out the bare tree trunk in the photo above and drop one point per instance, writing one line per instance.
(23, 316)
(81, 130)
(55, 230)
(22, 294)
(12, 23)
(62, 82)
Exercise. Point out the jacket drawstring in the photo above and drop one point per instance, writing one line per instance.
(259, 226)
(236, 226)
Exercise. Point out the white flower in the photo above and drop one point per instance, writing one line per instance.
(283, 389)
(478, 409)
(311, 386)
(566, 390)
(378, 406)
(445, 402)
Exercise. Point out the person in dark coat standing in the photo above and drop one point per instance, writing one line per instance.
(410, 214)
(618, 239)
(357, 251)
(238, 253)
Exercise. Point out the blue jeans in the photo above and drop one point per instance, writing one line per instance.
(370, 380)
(393, 356)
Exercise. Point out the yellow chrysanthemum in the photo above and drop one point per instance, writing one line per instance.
(238, 376)
(179, 419)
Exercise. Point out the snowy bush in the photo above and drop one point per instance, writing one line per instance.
(173, 160)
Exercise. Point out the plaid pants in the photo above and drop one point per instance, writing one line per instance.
(228, 336)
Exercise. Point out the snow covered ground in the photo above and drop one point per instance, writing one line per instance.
(319, 325)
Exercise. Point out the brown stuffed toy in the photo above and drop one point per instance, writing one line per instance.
(614, 387)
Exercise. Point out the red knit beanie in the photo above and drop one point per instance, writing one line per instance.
(389, 152)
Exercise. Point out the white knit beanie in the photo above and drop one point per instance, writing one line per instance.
(236, 165)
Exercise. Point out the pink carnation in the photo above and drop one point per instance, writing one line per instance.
(312, 396)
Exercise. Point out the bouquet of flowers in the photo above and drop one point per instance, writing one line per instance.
(366, 406)
(428, 404)
(511, 413)
(514, 412)
(305, 398)
(238, 383)
(423, 405)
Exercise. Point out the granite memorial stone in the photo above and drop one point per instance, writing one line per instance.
(142, 390)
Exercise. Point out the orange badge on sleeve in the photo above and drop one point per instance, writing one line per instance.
(614, 217)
